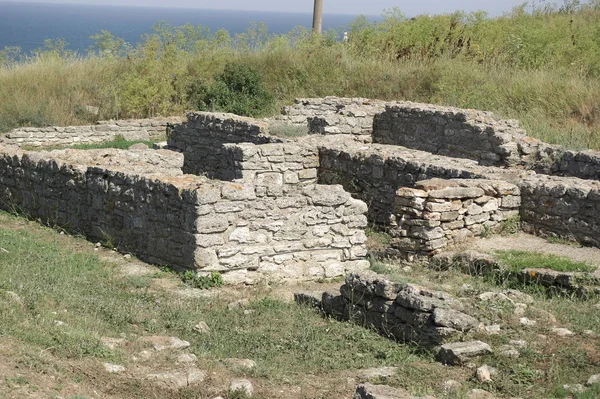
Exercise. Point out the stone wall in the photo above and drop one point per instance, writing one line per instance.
(450, 131)
(562, 206)
(440, 213)
(375, 172)
(151, 218)
(406, 312)
(275, 168)
(203, 137)
(152, 210)
(137, 129)
(334, 115)
(582, 164)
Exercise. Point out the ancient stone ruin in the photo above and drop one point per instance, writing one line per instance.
(225, 194)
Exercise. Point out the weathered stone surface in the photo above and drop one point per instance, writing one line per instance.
(450, 131)
(242, 385)
(179, 379)
(419, 298)
(161, 343)
(479, 394)
(458, 353)
(135, 129)
(562, 206)
(113, 368)
(454, 319)
(404, 312)
(240, 363)
(381, 372)
(202, 328)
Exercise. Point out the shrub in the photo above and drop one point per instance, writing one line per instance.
(238, 89)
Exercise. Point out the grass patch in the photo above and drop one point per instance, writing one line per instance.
(519, 260)
(287, 131)
(55, 281)
(119, 142)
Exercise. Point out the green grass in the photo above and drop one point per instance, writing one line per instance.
(58, 281)
(540, 66)
(118, 142)
(60, 278)
(288, 131)
(519, 260)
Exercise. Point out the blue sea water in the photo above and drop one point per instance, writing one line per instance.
(27, 25)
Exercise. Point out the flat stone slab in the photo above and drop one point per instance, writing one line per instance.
(161, 343)
(457, 353)
(179, 379)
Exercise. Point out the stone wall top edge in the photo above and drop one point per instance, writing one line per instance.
(223, 116)
(548, 180)
(111, 122)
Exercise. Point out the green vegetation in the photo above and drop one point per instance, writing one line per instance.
(58, 278)
(538, 65)
(195, 280)
(519, 260)
(118, 142)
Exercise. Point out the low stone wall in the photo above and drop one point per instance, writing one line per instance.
(406, 312)
(151, 218)
(374, 173)
(562, 206)
(189, 222)
(334, 115)
(275, 168)
(441, 213)
(582, 164)
(451, 131)
(137, 129)
(203, 136)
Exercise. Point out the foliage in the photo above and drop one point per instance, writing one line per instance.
(204, 282)
(536, 64)
(238, 89)
(519, 260)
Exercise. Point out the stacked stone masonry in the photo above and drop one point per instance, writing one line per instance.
(405, 312)
(276, 168)
(137, 129)
(333, 115)
(439, 213)
(264, 213)
(375, 172)
(449, 131)
(202, 139)
(560, 206)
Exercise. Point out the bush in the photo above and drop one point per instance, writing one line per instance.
(238, 89)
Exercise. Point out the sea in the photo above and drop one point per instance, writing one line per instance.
(28, 25)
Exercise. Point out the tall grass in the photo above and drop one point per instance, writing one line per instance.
(540, 66)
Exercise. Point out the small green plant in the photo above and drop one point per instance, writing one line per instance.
(203, 282)
(509, 226)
